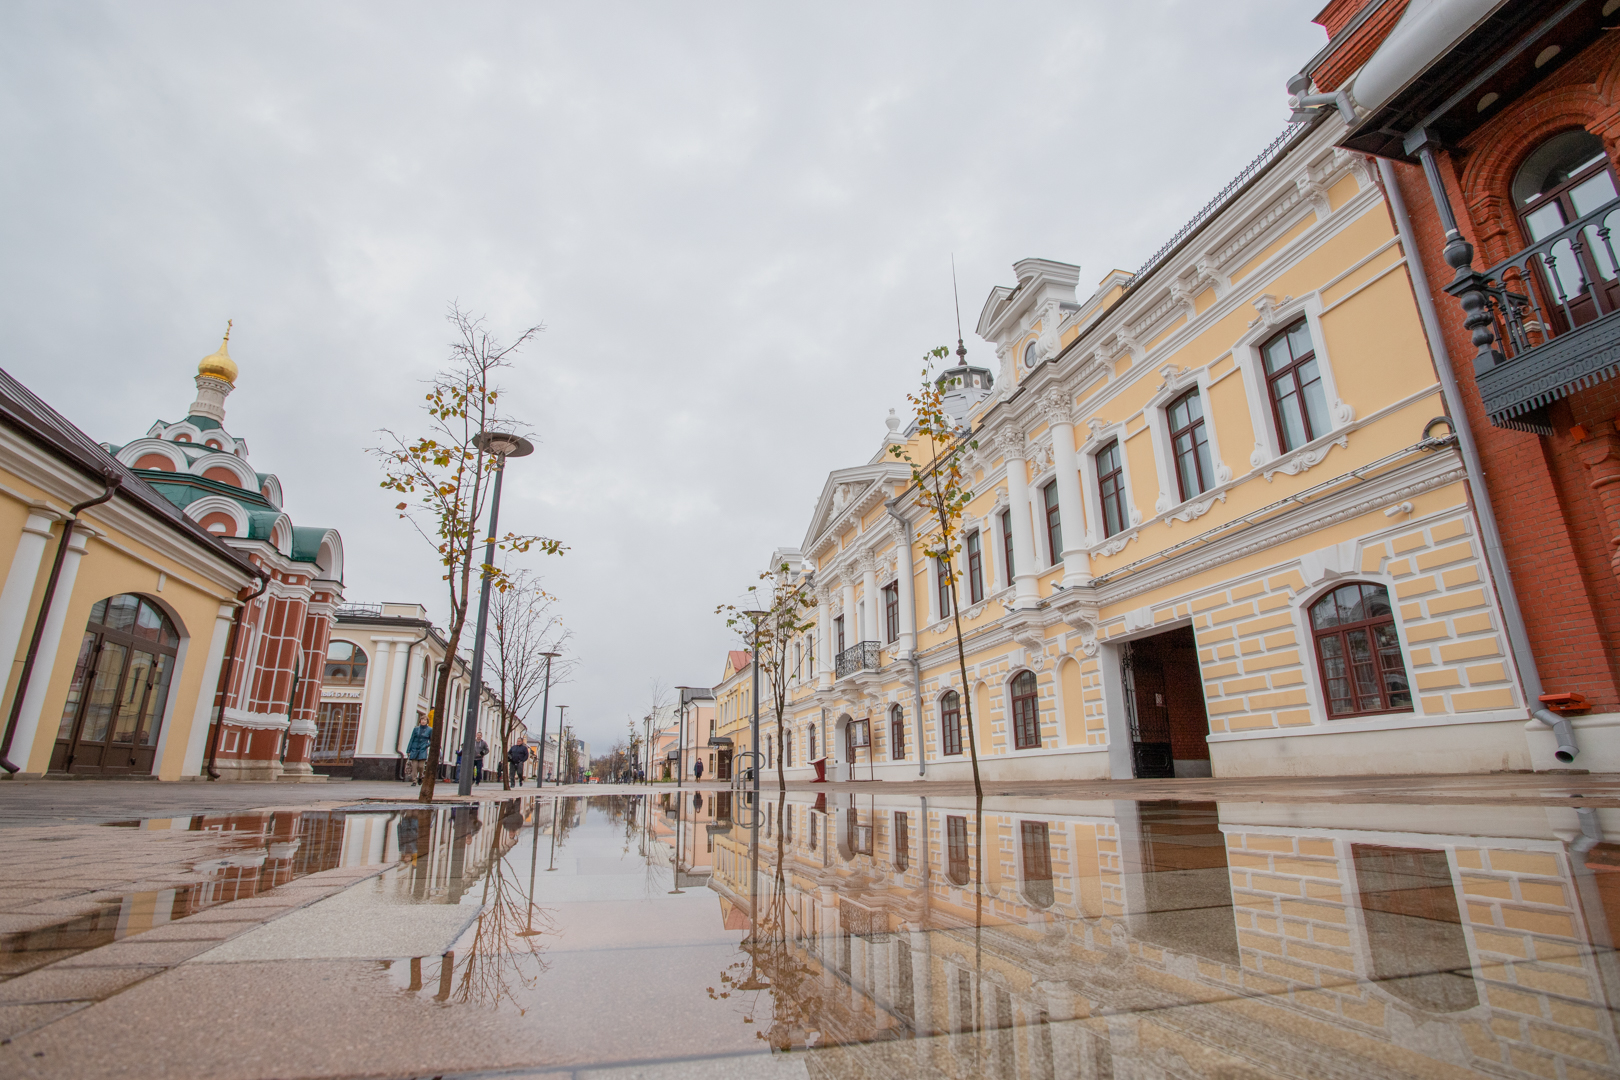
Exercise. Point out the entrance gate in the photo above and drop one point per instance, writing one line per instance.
(1163, 689)
(120, 687)
(1143, 680)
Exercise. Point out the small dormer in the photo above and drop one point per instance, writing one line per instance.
(1024, 322)
(965, 385)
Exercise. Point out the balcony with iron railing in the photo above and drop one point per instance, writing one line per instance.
(1553, 306)
(862, 656)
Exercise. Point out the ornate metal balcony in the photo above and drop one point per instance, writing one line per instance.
(1554, 305)
(862, 656)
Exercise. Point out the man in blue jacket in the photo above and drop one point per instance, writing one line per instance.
(416, 751)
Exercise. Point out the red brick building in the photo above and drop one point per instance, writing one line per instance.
(270, 683)
(1497, 130)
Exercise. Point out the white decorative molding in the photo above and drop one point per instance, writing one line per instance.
(1164, 503)
(1055, 407)
(1314, 192)
(1258, 458)
(1304, 460)
(1267, 304)
(1223, 473)
(1342, 414)
(1114, 544)
(1193, 509)
(1095, 426)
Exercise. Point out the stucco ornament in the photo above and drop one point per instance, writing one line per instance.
(1050, 341)
(1055, 407)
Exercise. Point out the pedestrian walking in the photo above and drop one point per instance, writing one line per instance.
(416, 751)
(480, 751)
(697, 769)
(515, 757)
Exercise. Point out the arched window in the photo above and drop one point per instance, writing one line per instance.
(1026, 712)
(1564, 179)
(120, 687)
(950, 723)
(897, 733)
(345, 664)
(1294, 385)
(1111, 488)
(1037, 845)
(1359, 651)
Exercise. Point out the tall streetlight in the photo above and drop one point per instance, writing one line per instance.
(503, 444)
(562, 751)
(680, 741)
(545, 715)
(759, 758)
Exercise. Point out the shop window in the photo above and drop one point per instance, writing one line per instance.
(1026, 712)
(950, 723)
(345, 664)
(1294, 384)
(1189, 444)
(1359, 652)
(1111, 488)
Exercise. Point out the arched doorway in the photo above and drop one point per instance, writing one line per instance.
(120, 688)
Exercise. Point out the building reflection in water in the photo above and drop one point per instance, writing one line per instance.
(1041, 938)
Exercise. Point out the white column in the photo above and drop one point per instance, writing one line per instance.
(406, 721)
(869, 585)
(908, 600)
(19, 587)
(824, 656)
(23, 751)
(1076, 563)
(369, 741)
(1026, 593)
(203, 715)
(390, 726)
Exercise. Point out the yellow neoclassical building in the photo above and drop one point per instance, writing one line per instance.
(1219, 525)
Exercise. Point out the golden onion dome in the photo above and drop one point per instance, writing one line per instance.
(220, 365)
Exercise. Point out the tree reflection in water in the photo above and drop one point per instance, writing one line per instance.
(503, 948)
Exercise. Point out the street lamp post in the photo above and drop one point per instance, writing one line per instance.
(680, 741)
(545, 716)
(562, 751)
(502, 444)
(759, 758)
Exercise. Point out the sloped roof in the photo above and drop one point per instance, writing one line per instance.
(27, 414)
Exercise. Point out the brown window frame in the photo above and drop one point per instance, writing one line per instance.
(1007, 545)
(975, 560)
(891, 610)
(897, 733)
(838, 634)
(1111, 488)
(950, 724)
(902, 842)
(957, 867)
(942, 586)
(1035, 838)
(1026, 710)
(342, 672)
(1341, 632)
(1290, 372)
(1196, 433)
(1054, 523)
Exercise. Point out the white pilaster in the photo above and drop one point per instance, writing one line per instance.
(24, 752)
(1026, 593)
(405, 722)
(824, 656)
(19, 587)
(852, 626)
(1076, 563)
(908, 599)
(871, 631)
(203, 715)
(369, 741)
(399, 676)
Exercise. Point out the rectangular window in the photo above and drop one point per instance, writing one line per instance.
(1007, 546)
(798, 659)
(956, 850)
(943, 580)
(891, 610)
(897, 734)
(1189, 444)
(902, 848)
(810, 651)
(838, 634)
(950, 723)
(1298, 399)
(1054, 523)
(1111, 488)
(975, 573)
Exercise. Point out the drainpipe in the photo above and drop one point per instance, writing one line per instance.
(916, 668)
(112, 483)
(1490, 535)
(224, 688)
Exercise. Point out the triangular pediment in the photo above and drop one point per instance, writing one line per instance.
(849, 489)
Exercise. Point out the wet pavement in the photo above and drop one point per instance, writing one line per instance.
(833, 933)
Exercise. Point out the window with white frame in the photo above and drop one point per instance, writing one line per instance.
(1111, 488)
(1294, 386)
(1189, 444)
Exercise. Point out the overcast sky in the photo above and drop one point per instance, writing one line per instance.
(735, 221)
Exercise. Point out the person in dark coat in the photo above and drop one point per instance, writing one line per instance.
(697, 769)
(515, 757)
(480, 751)
(416, 751)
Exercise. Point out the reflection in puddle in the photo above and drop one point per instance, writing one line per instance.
(898, 935)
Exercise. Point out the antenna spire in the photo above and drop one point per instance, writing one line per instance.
(961, 349)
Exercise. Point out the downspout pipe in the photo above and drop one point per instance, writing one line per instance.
(224, 688)
(1490, 535)
(112, 482)
(916, 667)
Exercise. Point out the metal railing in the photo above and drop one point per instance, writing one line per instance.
(862, 656)
(359, 610)
(1564, 262)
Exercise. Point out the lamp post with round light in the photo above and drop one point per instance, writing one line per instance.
(502, 444)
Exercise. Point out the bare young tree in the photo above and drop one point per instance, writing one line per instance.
(446, 480)
(785, 602)
(523, 627)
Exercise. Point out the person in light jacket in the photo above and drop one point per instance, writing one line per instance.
(416, 751)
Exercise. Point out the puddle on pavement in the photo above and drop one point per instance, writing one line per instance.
(1030, 938)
